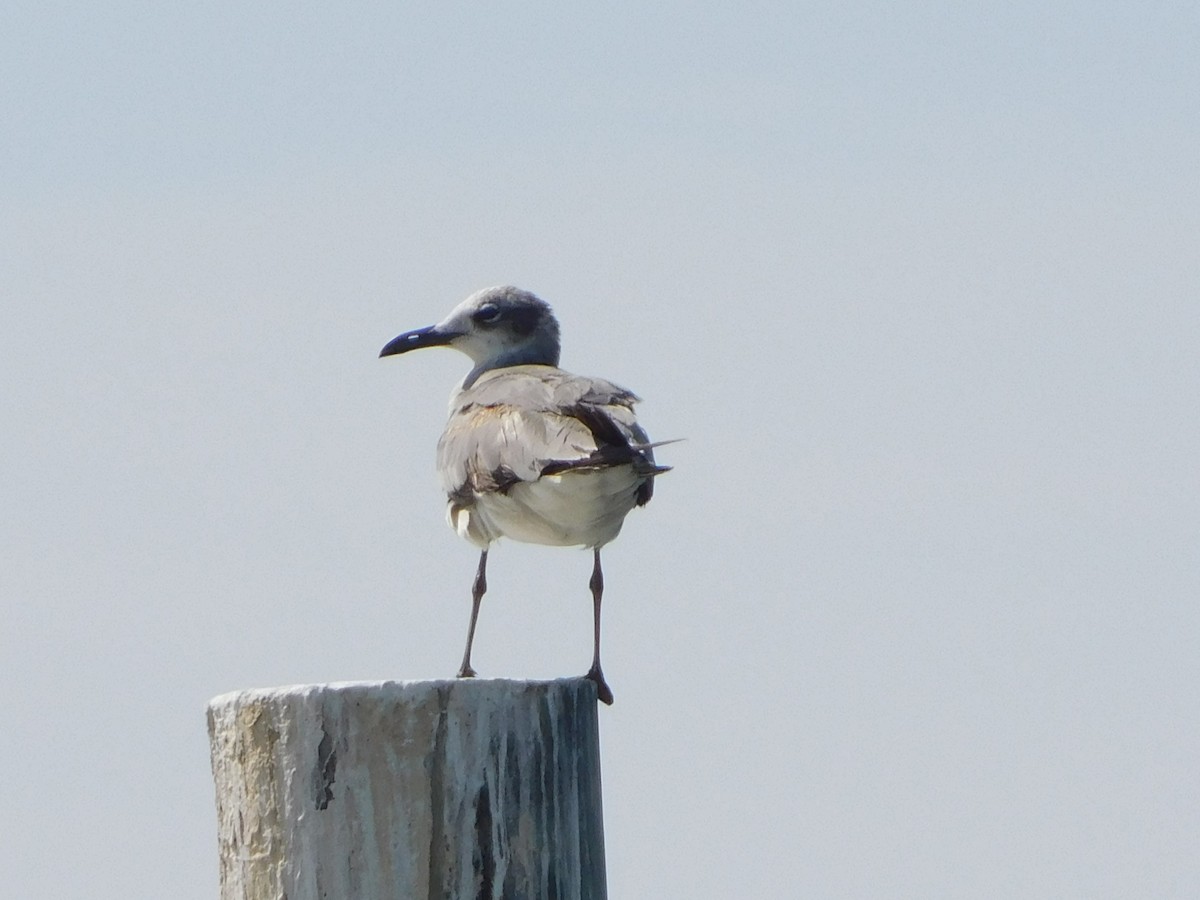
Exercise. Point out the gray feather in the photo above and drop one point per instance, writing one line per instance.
(522, 422)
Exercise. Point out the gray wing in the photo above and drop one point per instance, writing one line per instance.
(523, 422)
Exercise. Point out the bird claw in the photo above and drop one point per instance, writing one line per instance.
(603, 692)
(466, 672)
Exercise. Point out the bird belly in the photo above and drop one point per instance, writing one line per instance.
(570, 509)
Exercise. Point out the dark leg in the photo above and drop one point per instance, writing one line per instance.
(477, 591)
(594, 673)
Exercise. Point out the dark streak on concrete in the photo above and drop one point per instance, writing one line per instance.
(325, 772)
(439, 886)
(485, 859)
(517, 870)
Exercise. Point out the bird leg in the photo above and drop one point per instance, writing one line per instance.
(477, 591)
(603, 691)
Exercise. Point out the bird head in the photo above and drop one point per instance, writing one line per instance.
(495, 327)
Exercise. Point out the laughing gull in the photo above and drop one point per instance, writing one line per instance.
(531, 452)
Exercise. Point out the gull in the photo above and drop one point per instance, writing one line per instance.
(531, 452)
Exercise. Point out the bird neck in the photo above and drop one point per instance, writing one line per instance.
(532, 354)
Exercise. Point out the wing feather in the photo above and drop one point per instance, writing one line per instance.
(523, 422)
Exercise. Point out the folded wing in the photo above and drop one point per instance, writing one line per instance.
(522, 423)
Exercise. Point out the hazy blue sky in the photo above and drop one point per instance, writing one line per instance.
(914, 616)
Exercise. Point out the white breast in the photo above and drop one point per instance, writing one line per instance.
(583, 509)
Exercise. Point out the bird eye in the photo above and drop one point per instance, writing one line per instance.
(487, 314)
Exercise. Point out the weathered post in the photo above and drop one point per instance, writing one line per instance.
(439, 789)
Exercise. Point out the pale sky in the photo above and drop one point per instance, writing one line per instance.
(915, 615)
